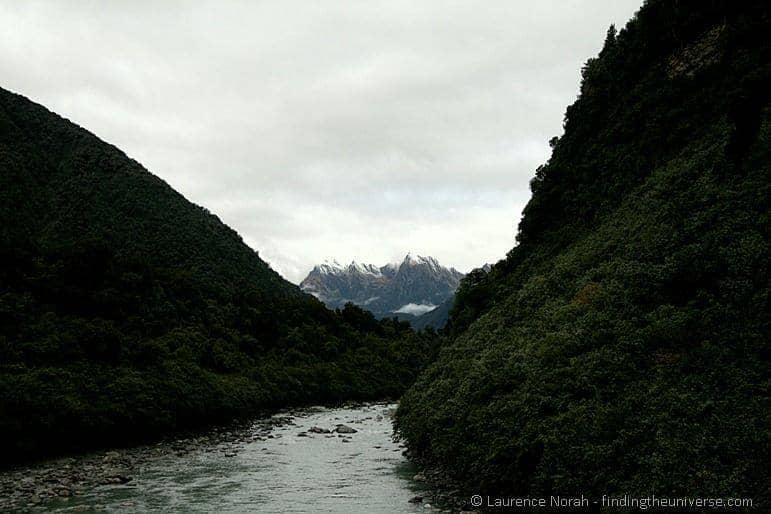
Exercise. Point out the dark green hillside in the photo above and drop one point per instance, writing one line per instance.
(127, 312)
(623, 344)
(63, 185)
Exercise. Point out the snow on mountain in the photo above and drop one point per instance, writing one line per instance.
(412, 287)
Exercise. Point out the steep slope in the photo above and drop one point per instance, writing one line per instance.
(622, 345)
(126, 311)
(408, 289)
(66, 186)
(435, 318)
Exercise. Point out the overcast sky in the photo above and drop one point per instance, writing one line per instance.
(322, 129)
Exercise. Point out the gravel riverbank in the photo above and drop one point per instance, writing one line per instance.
(31, 486)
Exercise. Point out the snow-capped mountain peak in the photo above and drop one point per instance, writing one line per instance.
(367, 269)
(328, 267)
(412, 287)
(416, 260)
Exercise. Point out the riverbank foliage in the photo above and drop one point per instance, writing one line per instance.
(127, 312)
(623, 344)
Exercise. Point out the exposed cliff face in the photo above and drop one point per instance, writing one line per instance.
(411, 288)
(622, 345)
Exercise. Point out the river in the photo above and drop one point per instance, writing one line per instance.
(274, 465)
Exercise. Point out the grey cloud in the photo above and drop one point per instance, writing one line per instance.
(353, 129)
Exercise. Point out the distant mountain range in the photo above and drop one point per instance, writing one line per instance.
(408, 290)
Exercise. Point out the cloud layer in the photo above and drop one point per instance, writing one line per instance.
(322, 129)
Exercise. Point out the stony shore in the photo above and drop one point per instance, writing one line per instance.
(27, 487)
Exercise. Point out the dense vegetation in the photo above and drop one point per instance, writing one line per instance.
(623, 344)
(127, 312)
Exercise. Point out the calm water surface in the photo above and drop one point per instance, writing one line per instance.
(274, 472)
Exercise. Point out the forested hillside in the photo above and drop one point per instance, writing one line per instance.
(127, 312)
(622, 346)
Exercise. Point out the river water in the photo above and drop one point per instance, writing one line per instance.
(268, 467)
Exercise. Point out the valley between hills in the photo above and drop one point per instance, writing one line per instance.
(620, 348)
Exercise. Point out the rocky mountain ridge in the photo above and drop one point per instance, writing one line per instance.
(411, 288)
